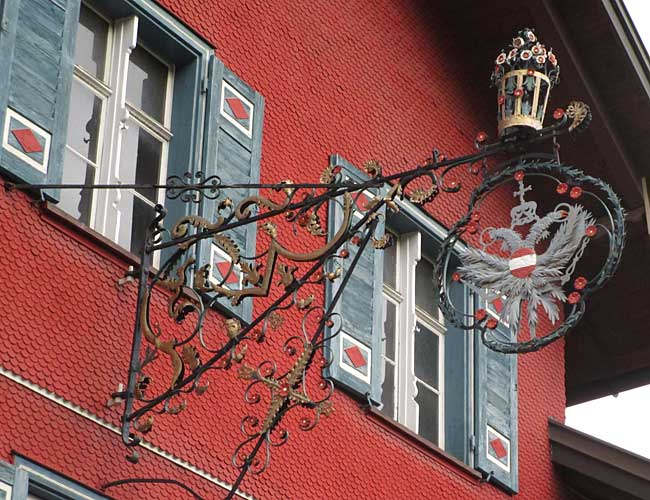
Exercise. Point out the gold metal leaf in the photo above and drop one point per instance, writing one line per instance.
(245, 372)
(270, 229)
(228, 245)
(373, 168)
(313, 225)
(327, 176)
(225, 203)
(200, 389)
(286, 274)
(175, 410)
(190, 356)
(238, 357)
(233, 327)
(332, 276)
(144, 426)
(275, 320)
(420, 196)
(303, 304)
(578, 111)
(251, 273)
(382, 242)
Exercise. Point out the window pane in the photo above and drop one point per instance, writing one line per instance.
(389, 330)
(77, 203)
(426, 293)
(90, 49)
(135, 215)
(427, 401)
(147, 83)
(140, 162)
(426, 355)
(390, 260)
(84, 120)
(388, 391)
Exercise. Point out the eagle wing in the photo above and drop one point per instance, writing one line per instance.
(567, 239)
(483, 269)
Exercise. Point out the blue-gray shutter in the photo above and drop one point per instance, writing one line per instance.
(496, 422)
(36, 53)
(458, 418)
(234, 156)
(7, 473)
(360, 308)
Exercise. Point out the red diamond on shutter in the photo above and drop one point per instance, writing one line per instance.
(499, 448)
(498, 304)
(27, 140)
(356, 356)
(224, 267)
(237, 107)
(362, 202)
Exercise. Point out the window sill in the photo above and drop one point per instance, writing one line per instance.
(86, 235)
(463, 470)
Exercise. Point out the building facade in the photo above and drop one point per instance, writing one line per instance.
(133, 91)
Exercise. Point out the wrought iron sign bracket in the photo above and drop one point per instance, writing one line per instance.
(527, 267)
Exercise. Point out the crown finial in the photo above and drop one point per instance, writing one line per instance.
(524, 75)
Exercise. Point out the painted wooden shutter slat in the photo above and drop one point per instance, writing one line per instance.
(360, 307)
(496, 425)
(38, 50)
(232, 150)
(457, 394)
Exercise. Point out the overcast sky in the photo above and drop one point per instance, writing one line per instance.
(621, 420)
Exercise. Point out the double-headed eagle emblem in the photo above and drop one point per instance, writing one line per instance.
(529, 270)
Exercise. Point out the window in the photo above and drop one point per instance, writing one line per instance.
(35, 482)
(394, 349)
(118, 127)
(413, 345)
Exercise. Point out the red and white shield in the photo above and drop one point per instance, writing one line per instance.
(522, 262)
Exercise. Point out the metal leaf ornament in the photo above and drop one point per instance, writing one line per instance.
(527, 278)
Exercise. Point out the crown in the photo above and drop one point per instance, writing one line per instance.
(524, 75)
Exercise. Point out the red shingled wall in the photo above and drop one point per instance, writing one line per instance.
(364, 79)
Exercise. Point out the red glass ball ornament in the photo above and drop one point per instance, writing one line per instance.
(480, 314)
(318, 276)
(266, 371)
(303, 220)
(345, 254)
(558, 113)
(304, 422)
(591, 231)
(562, 188)
(530, 72)
(322, 363)
(518, 92)
(355, 240)
(481, 136)
(472, 228)
(476, 216)
(284, 390)
(574, 298)
(441, 157)
(455, 276)
(580, 283)
(491, 323)
(576, 192)
(519, 175)
(453, 184)
(322, 385)
(329, 323)
(474, 169)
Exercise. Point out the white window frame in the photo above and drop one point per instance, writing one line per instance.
(116, 117)
(408, 254)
